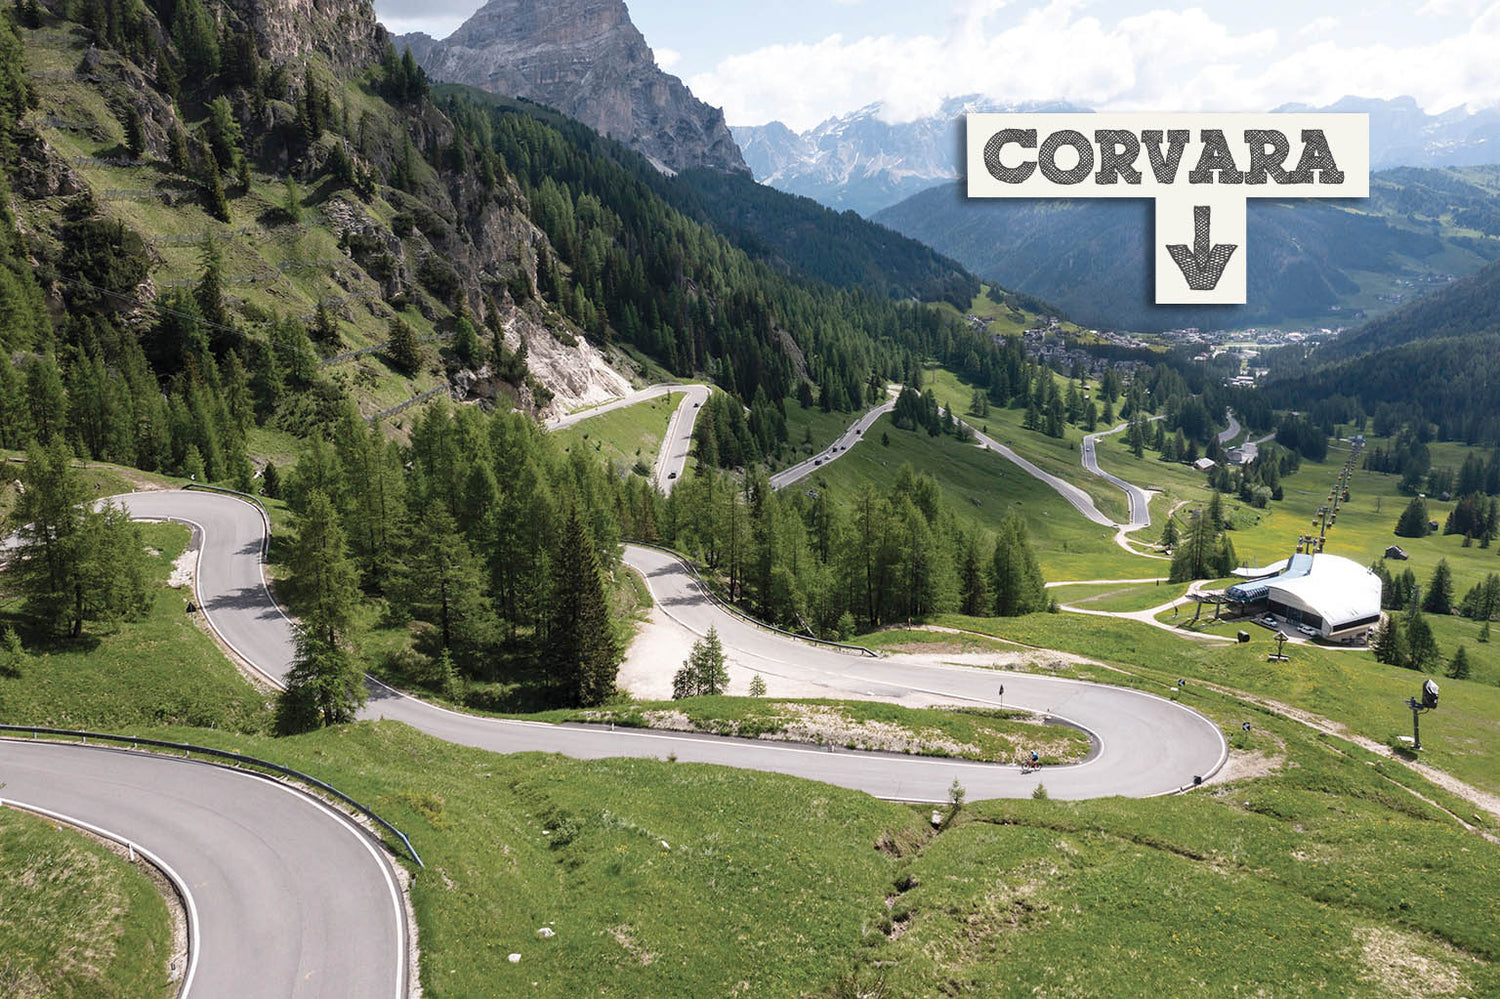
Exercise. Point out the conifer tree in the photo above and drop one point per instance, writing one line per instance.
(322, 579)
(73, 563)
(584, 653)
(1413, 521)
(324, 686)
(1458, 666)
(1421, 646)
(704, 672)
(1439, 598)
(12, 655)
(1018, 584)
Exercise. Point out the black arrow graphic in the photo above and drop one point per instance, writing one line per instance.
(1205, 264)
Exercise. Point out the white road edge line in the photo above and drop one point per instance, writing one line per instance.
(198, 565)
(363, 835)
(194, 938)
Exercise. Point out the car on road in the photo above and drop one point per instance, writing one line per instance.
(671, 475)
(1309, 632)
(1269, 620)
(818, 461)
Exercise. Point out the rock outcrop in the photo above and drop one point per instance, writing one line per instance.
(346, 32)
(586, 59)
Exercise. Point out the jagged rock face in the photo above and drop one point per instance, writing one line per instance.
(347, 32)
(586, 59)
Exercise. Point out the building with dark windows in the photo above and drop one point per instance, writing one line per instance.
(1333, 597)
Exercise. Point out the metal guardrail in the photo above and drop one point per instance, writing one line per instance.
(265, 515)
(238, 758)
(736, 612)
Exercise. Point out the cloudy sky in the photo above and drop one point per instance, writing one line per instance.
(801, 61)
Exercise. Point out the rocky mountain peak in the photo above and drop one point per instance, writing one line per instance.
(346, 32)
(586, 59)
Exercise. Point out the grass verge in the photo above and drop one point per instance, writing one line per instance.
(965, 733)
(75, 919)
(163, 669)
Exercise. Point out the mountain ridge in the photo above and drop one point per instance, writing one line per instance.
(857, 160)
(588, 60)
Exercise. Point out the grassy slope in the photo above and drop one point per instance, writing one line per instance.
(1347, 686)
(776, 883)
(659, 879)
(75, 919)
(684, 880)
(276, 266)
(623, 436)
(1365, 528)
(134, 677)
(1116, 597)
(1069, 546)
(824, 429)
(1059, 456)
(1325, 878)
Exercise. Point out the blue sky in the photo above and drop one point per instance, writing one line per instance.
(803, 60)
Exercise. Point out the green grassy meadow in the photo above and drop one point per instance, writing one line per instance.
(1059, 456)
(981, 487)
(75, 918)
(674, 879)
(1117, 597)
(1344, 685)
(160, 670)
(623, 436)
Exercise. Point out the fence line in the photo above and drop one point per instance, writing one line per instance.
(415, 400)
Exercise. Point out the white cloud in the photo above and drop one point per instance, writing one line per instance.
(1450, 8)
(667, 58)
(1157, 59)
(1319, 26)
(438, 26)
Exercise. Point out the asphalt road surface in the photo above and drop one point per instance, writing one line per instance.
(834, 451)
(1232, 431)
(1081, 501)
(629, 399)
(1140, 501)
(290, 900)
(287, 897)
(1146, 745)
(677, 442)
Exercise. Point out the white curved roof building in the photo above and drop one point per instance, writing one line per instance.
(1333, 595)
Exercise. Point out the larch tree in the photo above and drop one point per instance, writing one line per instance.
(704, 673)
(73, 563)
(325, 685)
(584, 652)
(1018, 584)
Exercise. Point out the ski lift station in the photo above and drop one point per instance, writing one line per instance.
(1333, 597)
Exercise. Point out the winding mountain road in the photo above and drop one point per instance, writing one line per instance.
(676, 443)
(291, 899)
(1139, 499)
(1146, 745)
(834, 451)
(285, 896)
(1232, 431)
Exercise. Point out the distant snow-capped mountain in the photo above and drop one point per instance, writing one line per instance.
(860, 161)
(1402, 134)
